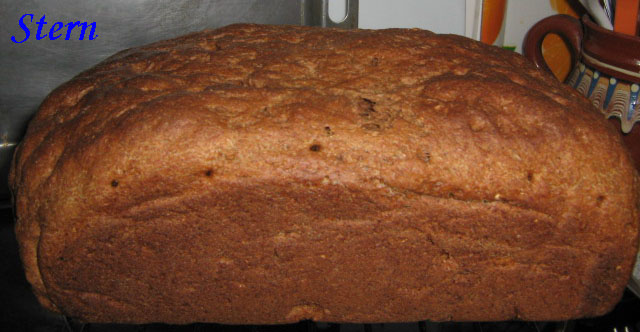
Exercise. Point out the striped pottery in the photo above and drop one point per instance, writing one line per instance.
(616, 98)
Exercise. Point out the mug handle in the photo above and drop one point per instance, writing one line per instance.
(565, 26)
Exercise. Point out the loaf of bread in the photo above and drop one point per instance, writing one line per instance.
(270, 174)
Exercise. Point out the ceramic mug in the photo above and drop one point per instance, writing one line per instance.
(606, 69)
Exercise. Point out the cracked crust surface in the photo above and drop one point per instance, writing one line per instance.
(269, 174)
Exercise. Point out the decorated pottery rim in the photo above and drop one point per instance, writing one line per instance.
(614, 97)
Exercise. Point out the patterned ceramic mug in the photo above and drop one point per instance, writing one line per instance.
(606, 69)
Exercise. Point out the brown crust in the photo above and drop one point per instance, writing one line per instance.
(268, 174)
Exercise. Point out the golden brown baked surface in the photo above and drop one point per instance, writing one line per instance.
(268, 174)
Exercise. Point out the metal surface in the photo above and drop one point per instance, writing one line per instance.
(316, 13)
(634, 282)
(30, 70)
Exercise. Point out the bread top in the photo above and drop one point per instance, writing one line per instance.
(409, 112)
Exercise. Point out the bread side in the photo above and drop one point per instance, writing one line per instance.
(266, 174)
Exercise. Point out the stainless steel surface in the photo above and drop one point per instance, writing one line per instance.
(634, 282)
(634, 286)
(316, 13)
(30, 70)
